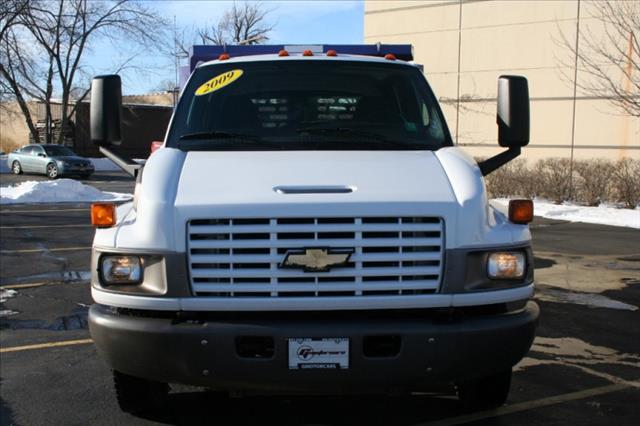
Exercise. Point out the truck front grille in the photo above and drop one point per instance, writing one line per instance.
(242, 257)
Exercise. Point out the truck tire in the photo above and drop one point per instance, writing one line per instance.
(484, 393)
(136, 395)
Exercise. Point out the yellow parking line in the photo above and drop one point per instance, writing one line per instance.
(41, 250)
(530, 405)
(46, 226)
(46, 345)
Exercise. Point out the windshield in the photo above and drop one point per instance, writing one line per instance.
(308, 105)
(58, 151)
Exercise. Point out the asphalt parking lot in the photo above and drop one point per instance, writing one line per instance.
(584, 367)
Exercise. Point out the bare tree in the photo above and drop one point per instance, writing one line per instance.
(62, 32)
(241, 24)
(609, 60)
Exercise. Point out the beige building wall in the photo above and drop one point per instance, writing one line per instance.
(465, 45)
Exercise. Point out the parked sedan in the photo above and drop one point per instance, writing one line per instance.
(51, 160)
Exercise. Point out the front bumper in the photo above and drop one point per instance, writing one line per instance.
(432, 350)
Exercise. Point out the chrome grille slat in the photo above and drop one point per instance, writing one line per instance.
(338, 286)
(241, 257)
(342, 242)
(291, 273)
(371, 227)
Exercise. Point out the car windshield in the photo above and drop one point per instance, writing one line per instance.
(308, 105)
(58, 151)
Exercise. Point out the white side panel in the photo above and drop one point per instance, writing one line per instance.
(154, 218)
(106, 237)
(477, 223)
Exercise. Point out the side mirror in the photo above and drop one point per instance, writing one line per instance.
(106, 110)
(42, 155)
(513, 111)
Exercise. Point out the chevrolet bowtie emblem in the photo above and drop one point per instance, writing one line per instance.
(316, 259)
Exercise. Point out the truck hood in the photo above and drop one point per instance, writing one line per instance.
(181, 186)
(311, 177)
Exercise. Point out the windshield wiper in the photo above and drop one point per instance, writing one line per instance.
(373, 139)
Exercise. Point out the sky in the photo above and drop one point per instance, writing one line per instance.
(295, 22)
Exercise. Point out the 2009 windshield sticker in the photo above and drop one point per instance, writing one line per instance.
(218, 82)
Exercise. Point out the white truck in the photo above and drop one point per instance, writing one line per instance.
(310, 226)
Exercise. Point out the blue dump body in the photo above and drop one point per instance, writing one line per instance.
(201, 54)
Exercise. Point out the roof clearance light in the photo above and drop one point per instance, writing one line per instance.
(283, 52)
(390, 57)
(332, 52)
(307, 53)
(223, 56)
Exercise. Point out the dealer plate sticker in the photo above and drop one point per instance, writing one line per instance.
(319, 353)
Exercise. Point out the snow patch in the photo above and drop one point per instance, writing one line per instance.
(587, 299)
(59, 191)
(601, 215)
(6, 294)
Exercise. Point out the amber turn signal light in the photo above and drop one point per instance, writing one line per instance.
(103, 215)
(521, 211)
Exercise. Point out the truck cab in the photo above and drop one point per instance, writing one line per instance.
(310, 226)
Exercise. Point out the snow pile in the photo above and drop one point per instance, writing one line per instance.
(106, 165)
(601, 215)
(59, 191)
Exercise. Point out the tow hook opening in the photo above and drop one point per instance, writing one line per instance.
(381, 346)
(255, 347)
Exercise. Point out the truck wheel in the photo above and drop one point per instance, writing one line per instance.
(136, 395)
(484, 393)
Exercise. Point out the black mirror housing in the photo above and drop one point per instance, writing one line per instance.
(513, 111)
(106, 110)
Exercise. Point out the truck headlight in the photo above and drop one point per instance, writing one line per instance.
(506, 265)
(121, 269)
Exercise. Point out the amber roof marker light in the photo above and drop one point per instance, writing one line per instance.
(390, 57)
(307, 53)
(223, 56)
(332, 52)
(283, 52)
(521, 211)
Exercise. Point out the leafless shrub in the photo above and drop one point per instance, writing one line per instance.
(593, 180)
(626, 178)
(554, 176)
(8, 144)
